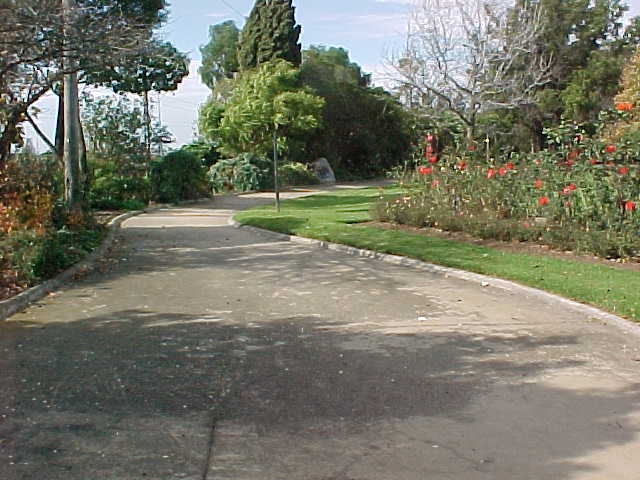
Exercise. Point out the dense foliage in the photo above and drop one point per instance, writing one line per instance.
(270, 33)
(365, 131)
(220, 55)
(264, 100)
(178, 176)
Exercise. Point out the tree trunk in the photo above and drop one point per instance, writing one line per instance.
(71, 155)
(71, 149)
(147, 128)
(8, 137)
(59, 139)
(470, 133)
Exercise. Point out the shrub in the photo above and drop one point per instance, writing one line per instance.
(243, 173)
(177, 176)
(40, 256)
(296, 173)
(114, 191)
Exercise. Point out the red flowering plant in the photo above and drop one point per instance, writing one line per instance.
(573, 194)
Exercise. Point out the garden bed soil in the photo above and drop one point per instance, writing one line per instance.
(528, 248)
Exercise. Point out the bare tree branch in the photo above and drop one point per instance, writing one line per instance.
(472, 56)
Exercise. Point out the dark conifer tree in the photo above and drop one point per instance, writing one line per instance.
(270, 33)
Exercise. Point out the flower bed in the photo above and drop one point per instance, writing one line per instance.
(581, 194)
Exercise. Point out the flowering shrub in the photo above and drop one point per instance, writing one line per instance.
(579, 194)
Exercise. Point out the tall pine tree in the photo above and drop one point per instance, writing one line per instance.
(270, 33)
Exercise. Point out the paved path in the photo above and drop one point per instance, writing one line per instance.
(207, 352)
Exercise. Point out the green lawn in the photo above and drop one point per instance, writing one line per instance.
(338, 217)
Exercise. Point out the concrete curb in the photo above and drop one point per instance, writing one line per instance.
(484, 280)
(21, 301)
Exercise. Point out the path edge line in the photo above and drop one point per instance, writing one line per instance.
(487, 281)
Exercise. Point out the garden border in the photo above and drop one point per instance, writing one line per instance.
(484, 280)
(22, 300)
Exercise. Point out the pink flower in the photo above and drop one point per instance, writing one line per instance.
(502, 171)
(422, 170)
(623, 170)
(491, 173)
(538, 184)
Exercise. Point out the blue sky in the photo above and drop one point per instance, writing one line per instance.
(368, 29)
(364, 27)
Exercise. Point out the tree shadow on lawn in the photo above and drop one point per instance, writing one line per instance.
(286, 374)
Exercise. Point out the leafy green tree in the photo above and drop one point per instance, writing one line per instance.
(364, 130)
(265, 100)
(270, 33)
(220, 55)
(160, 68)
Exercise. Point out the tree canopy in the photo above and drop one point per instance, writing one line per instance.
(264, 100)
(220, 55)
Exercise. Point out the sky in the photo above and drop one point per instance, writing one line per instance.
(370, 30)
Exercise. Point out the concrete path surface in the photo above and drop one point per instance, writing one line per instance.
(201, 351)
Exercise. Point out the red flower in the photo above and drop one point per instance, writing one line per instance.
(542, 201)
(623, 170)
(502, 171)
(629, 206)
(433, 160)
(624, 106)
(510, 166)
(422, 170)
(491, 173)
(610, 148)
(572, 187)
(435, 183)
(538, 184)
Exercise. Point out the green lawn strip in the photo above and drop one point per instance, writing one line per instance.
(335, 217)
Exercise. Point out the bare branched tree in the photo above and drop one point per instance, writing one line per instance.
(470, 56)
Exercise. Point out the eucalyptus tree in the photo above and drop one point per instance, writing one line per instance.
(220, 54)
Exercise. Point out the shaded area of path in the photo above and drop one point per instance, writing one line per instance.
(209, 352)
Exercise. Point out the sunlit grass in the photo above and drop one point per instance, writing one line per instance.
(338, 217)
